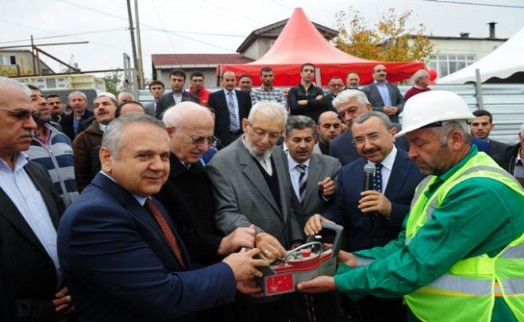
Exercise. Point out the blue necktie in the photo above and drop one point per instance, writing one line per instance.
(377, 177)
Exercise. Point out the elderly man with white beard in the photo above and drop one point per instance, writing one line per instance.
(251, 187)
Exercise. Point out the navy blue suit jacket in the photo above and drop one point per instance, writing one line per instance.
(118, 265)
(344, 150)
(367, 231)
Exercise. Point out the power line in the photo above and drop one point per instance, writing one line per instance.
(477, 4)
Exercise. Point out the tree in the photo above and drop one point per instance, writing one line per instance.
(388, 40)
(113, 82)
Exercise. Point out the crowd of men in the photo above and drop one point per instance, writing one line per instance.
(168, 211)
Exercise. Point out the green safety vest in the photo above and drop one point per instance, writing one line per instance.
(468, 290)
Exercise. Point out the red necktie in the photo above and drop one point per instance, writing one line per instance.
(168, 233)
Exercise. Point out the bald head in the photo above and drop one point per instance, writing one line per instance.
(329, 126)
(190, 127)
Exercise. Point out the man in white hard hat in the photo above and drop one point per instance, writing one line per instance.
(461, 253)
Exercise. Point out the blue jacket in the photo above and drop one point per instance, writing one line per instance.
(118, 265)
(368, 231)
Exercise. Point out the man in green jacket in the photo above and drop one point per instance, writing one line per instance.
(461, 252)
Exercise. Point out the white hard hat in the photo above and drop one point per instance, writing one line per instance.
(430, 107)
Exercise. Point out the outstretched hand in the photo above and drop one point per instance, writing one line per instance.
(317, 285)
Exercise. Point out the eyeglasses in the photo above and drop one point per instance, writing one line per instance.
(19, 114)
(373, 137)
(336, 85)
(260, 132)
(210, 140)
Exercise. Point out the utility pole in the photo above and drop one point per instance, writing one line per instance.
(136, 83)
(140, 67)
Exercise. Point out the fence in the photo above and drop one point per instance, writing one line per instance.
(504, 101)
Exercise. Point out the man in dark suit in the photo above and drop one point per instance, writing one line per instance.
(480, 127)
(372, 218)
(156, 88)
(384, 96)
(351, 103)
(335, 86)
(177, 79)
(251, 187)
(329, 127)
(313, 178)
(71, 123)
(30, 209)
(231, 106)
(126, 262)
(511, 158)
(187, 194)
(320, 171)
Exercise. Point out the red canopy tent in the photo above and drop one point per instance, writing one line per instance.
(300, 42)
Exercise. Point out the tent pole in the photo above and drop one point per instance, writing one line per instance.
(317, 77)
(478, 88)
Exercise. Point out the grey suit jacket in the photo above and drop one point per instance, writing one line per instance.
(244, 198)
(376, 101)
(320, 167)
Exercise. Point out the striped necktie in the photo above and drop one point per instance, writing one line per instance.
(164, 226)
(302, 180)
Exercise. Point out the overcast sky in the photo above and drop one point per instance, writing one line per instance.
(216, 26)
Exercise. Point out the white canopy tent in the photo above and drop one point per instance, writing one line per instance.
(504, 65)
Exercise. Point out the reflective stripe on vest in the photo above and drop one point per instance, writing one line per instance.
(473, 283)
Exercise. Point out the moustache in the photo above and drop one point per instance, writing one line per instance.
(370, 151)
(26, 134)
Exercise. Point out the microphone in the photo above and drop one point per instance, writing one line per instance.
(369, 171)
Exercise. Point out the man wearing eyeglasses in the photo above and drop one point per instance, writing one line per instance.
(335, 86)
(251, 187)
(187, 194)
(372, 218)
(29, 214)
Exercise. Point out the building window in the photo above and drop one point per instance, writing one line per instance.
(7, 60)
(448, 64)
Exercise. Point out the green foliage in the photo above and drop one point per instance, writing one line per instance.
(387, 40)
(113, 81)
